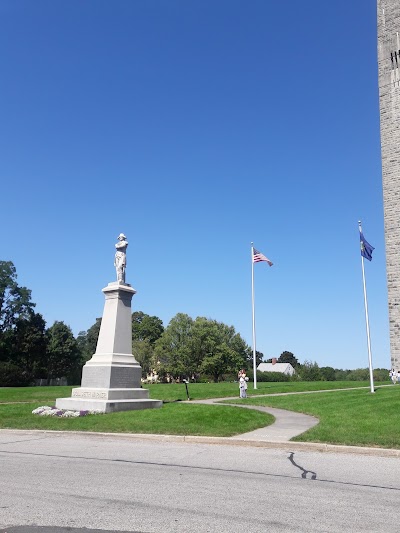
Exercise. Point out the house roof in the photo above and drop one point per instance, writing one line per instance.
(277, 367)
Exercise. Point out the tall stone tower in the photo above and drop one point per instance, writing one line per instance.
(389, 101)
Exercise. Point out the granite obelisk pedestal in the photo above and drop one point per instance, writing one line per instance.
(389, 103)
(111, 378)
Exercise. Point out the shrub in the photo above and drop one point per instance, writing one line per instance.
(13, 376)
(268, 376)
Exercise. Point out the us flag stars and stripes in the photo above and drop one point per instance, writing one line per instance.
(258, 257)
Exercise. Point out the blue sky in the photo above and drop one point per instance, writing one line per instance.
(195, 128)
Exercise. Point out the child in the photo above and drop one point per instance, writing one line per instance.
(243, 384)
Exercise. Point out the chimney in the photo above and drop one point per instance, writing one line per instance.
(274, 360)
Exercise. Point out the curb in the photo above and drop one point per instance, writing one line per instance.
(224, 441)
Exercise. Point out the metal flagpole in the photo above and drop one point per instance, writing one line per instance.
(371, 374)
(254, 321)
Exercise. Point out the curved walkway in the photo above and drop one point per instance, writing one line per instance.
(286, 426)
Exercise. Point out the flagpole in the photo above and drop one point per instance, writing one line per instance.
(253, 314)
(371, 374)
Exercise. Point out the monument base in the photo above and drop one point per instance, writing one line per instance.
(107, 400)
(106, 406)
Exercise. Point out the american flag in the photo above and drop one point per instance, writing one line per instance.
(258, 256)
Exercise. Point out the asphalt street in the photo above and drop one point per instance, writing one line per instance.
(54, 483)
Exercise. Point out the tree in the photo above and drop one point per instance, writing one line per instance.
(188, 347)
(221, 361)
(341, 375)
(29, 345)
(224, 350)
(15, 301)
(12, 376)
(381, 374)
(358, 374)
(327, 373)
(208, 349)
(81, 341)
(309, 371)
(87, 341)
(143, 352)
(288, 357)
(63, 355)
(173, 348)
(146, 327)
(259, 358)
(22, 331)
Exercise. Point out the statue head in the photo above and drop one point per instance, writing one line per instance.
(121, 237)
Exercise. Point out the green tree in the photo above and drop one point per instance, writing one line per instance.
(12, 376)
(259, 358)
(327, 373)
(189, 347)
(309, 371)
(223, 360)
(143, 352)
(15, 301)
(217, 349)
(288, 357)
(87, 340)
(146, 327)
(81, 341)
(359, 374)
(381, 374)
(341, 375)
(29, 345)
(63, 355)
(92, 336)
(173, 348)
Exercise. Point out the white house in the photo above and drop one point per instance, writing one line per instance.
(283, 368)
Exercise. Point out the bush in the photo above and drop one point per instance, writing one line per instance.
(268, 376)
(13, 376)
(381, 374)
(229, 377)
(309, 371)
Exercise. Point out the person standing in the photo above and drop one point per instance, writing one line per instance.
(243, 384)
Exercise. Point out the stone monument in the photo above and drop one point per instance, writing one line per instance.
(389, 101)
(111, 378)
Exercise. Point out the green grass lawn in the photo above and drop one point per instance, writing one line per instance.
(172, 419)
(353, 418)
(200, 391)
(177, 391)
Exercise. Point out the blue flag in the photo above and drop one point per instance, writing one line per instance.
(366, 248)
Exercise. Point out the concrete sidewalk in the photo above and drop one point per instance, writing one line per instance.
(286, 426)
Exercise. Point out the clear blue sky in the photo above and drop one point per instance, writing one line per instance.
(195, 128)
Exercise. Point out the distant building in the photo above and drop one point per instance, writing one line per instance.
(283, 368)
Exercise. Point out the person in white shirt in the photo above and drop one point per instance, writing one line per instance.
(243, 384)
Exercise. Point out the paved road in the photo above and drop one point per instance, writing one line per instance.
(113, 483)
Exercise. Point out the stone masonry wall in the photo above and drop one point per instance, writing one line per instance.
(389, 101)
